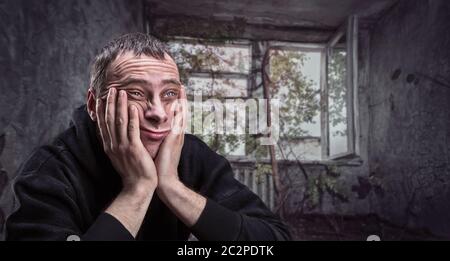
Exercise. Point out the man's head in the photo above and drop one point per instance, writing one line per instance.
(140, 65)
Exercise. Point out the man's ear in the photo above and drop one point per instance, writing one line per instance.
(91, 103)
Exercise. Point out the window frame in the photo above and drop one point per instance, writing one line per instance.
(306, 47)
(214, 75)
(208, 74)
(350, 30)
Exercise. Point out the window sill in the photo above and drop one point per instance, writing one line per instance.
(351, 161)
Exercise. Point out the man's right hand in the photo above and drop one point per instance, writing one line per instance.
(119, 130)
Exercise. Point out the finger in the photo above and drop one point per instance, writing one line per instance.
(182, 120)
(177, 120)
(100, 110)
(180, 114)
(122, 117)
(133, 125)
(111, 115)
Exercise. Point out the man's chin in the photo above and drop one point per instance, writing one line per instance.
(152, 148)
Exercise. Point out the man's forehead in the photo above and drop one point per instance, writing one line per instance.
(128, 61)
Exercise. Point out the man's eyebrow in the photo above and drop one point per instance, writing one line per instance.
(130, 80)
(171, 81)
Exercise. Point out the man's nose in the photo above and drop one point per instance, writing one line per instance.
(155, 112)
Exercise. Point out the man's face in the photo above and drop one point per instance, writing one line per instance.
(153, 86)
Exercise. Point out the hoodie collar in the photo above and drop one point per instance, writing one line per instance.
(84, 144)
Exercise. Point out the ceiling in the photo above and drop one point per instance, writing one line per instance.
(316, 14)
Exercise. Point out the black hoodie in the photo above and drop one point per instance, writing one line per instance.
(64, 188)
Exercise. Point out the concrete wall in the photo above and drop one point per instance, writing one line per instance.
(400, 191)
(410, 114)
(45, 51)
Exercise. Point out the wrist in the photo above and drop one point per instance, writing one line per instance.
(131, 205)
(168, 181)
(169, 186)
(186, 204)
(139, 190)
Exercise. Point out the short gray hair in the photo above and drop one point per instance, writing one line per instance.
(138, 43)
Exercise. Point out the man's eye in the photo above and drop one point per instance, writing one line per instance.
(171, 94)
(136, 94)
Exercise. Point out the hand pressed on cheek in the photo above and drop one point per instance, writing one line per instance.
(169, 153)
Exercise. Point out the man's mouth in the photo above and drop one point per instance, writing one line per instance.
(153, 134)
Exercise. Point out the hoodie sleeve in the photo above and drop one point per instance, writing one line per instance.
(48, 209)
(232, 211)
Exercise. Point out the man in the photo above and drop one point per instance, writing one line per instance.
(125, 169)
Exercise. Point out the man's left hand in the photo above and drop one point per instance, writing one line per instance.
(184, 203)
(169, 153)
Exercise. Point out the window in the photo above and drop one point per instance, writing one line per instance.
(214, 71)
(337, 99)
(295, 75)
(341, 116)
(315, 84)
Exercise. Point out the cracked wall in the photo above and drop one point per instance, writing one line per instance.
(46, 50)
(409, 104)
